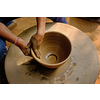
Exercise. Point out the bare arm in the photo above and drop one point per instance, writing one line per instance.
(36, 39)
(7, 35)
(40, 29)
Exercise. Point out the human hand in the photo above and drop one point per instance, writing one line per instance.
(36, 39)
(35, 43)
(22, 45)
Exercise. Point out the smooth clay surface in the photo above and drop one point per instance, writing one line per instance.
(83, 65)
(55, 50)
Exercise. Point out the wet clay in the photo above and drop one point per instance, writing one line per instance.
(82, 68)
(52, 58)
(55, 50)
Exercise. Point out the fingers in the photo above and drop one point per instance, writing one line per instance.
(34, 44)
(36, 47)
(27, 52)
(36, 50)
(37, 53)
(28, 45)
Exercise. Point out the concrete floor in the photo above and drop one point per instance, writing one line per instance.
(91, 29)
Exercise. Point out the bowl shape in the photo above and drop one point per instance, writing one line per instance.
(55, 50)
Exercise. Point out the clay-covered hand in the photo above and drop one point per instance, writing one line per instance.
(35, 45)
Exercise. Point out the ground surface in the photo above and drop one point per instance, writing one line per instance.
(90, 28)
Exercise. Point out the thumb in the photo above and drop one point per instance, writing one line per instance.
(28, 45)
(37, 53)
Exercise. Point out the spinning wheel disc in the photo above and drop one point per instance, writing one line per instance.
(83, 66)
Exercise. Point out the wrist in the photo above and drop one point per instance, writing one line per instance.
(20, 43)
(16, 41)
(40, 32)
(39, 38)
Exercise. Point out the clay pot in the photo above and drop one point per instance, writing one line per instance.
(55, 50)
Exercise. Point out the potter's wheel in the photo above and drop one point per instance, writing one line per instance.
(83, 66)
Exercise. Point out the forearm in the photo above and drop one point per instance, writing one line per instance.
(40, 29)
(7, 35)
(41, 25)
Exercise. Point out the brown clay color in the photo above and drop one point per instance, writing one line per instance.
(82, 69)
(55, 50)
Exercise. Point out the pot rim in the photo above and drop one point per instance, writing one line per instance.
(57, 64)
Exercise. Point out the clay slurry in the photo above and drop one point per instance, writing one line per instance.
(52, 58)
